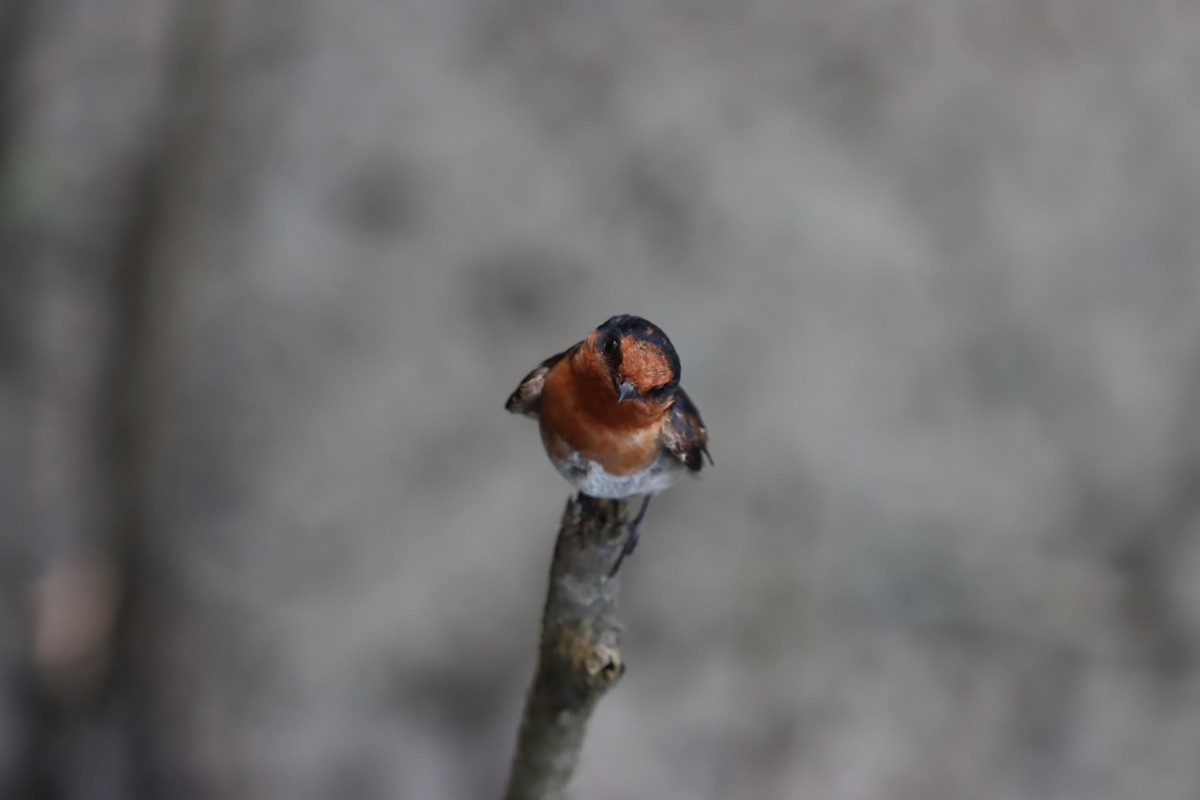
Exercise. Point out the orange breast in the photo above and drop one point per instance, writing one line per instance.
(580, 412)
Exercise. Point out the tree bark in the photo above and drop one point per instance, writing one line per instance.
(579, 658)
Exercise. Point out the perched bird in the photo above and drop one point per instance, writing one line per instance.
(614, 419)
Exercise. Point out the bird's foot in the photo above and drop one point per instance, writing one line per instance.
(633, 533)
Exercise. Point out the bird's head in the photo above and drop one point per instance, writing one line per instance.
(637, 359)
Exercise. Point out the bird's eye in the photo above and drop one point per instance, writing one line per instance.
(665, 391)
(611, 346)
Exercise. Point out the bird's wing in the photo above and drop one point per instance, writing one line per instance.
(527, 397)
(684, 433)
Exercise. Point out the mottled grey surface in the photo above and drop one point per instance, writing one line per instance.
(933, 269)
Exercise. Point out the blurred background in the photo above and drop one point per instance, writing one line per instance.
(269, 271)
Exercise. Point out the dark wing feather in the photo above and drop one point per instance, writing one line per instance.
(684, 433)
(527, 398)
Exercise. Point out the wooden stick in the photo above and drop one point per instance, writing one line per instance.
(579, 658)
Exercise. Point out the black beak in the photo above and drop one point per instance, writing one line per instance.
(625, 391)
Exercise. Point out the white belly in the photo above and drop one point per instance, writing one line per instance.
(590, 478)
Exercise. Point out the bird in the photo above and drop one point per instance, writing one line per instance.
(613, 418)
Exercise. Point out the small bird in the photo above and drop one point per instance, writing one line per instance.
(614, 419)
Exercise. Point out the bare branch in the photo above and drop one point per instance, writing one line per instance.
(580, 656)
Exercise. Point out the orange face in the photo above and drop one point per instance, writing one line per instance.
(643, 364)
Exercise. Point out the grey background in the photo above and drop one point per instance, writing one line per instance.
(268, 272)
